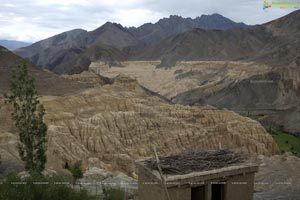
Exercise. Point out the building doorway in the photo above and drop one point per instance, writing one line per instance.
(217, 192)
(198, 193)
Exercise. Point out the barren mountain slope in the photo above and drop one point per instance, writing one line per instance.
(113, 125)
(272, 97)
(54, 51)
(80, 63)
(200, 44)
(47, 82)
(209, 76)
(269, 94)
(113, 35)
(71, 52)
(284, 47)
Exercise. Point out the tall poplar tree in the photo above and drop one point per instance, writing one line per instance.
(28, 115)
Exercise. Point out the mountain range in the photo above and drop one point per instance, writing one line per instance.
(13, 45)
(72, 51)
(275, 43)
(209, 37)
(172, 40)
(176, 24)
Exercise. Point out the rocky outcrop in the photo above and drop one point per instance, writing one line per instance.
(96, 181)
(89, 77)
(113, 125)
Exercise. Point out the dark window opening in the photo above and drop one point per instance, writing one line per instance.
(217, 192)
(198, 193)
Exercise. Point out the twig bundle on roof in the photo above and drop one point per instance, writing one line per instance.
(195, 161)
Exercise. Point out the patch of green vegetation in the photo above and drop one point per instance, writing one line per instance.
(76, 171)
(257, 117)
(39, 187)
(286, 141)
(114, 194)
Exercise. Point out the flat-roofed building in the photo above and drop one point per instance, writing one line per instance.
(205, 175)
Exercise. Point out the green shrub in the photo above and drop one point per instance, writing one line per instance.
(287, 142)
(114, 194)
(38, 187)
(76, 171)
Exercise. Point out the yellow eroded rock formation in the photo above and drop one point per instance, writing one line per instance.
(113, 125)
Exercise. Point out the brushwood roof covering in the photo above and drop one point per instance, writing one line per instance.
(199, 161)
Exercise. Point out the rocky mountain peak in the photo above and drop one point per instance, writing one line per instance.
(173, 18)
(111, 25)
(217, 21)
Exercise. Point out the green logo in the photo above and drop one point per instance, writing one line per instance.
(282, 4)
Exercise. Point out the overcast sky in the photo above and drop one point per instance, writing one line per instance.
(33, 20)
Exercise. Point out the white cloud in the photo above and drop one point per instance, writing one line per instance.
(60, 2)
(32, 20)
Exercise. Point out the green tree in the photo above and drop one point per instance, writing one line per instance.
(77, 171)
(28, 115)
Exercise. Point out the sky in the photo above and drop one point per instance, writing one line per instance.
(33, 20)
